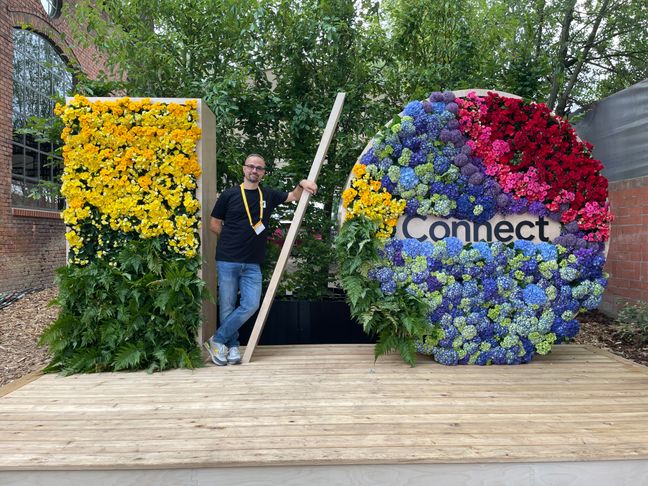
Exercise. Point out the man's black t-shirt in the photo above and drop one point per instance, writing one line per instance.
(238, 242)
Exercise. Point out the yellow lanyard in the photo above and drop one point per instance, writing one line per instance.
(247, 208)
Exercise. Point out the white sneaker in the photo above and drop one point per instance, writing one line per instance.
(217, 352)
(234, 356)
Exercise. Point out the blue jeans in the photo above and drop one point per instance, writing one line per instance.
(232, 278)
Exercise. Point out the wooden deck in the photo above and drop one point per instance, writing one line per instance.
(332, 405)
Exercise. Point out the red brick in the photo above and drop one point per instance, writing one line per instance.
(31, 248)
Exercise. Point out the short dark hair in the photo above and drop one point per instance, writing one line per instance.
(254, 155)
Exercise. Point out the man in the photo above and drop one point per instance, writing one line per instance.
(240, 219)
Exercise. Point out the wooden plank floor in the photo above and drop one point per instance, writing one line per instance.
(325, 405)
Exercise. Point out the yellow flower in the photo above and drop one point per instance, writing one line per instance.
(129, 165)
(367, 197)
(359, 170)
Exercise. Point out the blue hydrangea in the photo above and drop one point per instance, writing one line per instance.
(534, 295)
(408, 179)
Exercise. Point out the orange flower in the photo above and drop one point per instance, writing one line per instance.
(359, 170)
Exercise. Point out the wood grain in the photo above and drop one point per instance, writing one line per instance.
(331, 405)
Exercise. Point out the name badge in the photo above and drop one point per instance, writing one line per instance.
(258, 228)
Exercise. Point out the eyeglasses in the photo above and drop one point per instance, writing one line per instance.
(258, 168)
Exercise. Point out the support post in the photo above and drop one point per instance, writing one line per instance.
(294, 228)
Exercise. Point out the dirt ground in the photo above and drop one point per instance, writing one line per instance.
(21, 324)
(24, 318)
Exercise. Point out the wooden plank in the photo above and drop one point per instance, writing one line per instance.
(220, 457)
(19, 383)
(294, 228)
(334, 408)
(56, 421)
(324, 390)
(379, 388)
(189, 432)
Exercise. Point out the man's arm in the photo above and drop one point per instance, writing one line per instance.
(216, 225)
(303, 185)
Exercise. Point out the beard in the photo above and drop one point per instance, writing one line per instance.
(252, 177)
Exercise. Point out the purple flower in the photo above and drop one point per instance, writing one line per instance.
(468, 170)
(537, 208)
(448, 96)
(456, 138)
(460, 160)
(388, 184)
(436, 96)
(503, 201)
(388, 288)
(571, 227)
(433, 284)
(518, 206)
(411, 207)
(369, 157)
(476, 179)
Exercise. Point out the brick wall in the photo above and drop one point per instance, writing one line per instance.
(627, 261)
(32, 243)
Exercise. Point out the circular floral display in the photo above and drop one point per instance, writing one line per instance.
(472, 159)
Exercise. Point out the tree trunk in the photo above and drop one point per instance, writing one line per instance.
(561, 57)
(581, 58)
(540, 12)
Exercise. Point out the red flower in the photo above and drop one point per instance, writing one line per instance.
(545, 152)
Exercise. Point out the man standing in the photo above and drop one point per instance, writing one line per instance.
(240, 219)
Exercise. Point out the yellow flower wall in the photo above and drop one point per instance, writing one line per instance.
(131, 171)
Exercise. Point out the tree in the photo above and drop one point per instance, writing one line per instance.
(269, 70)
(574, 52)
(315, 49)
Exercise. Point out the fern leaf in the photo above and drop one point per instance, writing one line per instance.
(128, 355)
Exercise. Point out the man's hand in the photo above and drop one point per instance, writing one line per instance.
(304, 185)
(308, 186)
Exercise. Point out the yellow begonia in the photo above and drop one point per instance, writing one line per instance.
(131, 166)
(366, 197)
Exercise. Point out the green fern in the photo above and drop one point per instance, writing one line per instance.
(141, 312)
(398, 320)
(128, 355)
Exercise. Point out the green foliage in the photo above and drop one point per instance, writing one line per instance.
(398, 320)
(269, 70)
(633, 322)
(139, 311)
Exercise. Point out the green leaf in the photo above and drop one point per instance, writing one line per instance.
(128, 355)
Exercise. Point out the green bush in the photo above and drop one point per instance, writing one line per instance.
(140, 310)
(633, 322)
